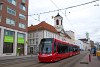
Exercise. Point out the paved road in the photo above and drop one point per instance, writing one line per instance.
(33, 62)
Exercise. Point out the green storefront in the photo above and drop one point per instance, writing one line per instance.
(20, 44)
(8, 44)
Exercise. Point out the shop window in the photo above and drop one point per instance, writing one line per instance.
(8, 47)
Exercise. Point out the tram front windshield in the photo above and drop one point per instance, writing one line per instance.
(46, 46)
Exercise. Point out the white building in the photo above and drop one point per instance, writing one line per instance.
(86, 44)
(81, 44)
(45, 30)
(71, 34)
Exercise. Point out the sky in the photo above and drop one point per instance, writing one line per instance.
(81, 19)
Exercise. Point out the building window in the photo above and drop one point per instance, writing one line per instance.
(8, 48)
(20, 35)
(10, 22)
(22, 16)
(0, 6)
(9, 33)
(36, 41)
(20, 39)
(30, 35)
(23, 1)
(29, 41)
(12, 2)
(21, 25)
(37, 34)
(22, 7)
(0, 18)
(57, 22)
(8, 41)
(33, 34)
(33, 41)
(61, 22)
(11, 11)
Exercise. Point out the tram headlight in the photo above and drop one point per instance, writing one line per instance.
(50, 55)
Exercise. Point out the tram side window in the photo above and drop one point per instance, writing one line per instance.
(66, 49)
(58, 48)
(54, 47)
(76, 48)
(73, 49)
(69, 48)
(62, 48)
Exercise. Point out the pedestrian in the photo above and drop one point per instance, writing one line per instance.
(92, 51)
(94, 54)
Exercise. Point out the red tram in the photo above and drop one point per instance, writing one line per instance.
(51, 50)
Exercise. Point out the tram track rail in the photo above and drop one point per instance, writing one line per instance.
(71, 61)
(33, 62)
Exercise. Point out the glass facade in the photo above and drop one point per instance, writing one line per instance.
(21, 38)
(8, 41)
(20, 43)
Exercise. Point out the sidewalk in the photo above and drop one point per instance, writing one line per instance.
(95, 62)
(15, 57)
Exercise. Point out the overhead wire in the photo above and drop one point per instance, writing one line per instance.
(58, 9)
(66, 17)
(62, 9)
(68, 7)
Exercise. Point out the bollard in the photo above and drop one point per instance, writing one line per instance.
(89, 58)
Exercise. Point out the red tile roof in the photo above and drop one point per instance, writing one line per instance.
(44, 26)
(41, 26)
